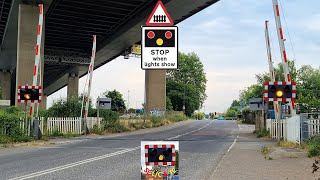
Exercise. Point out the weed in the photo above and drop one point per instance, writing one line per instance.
(289, 144)
(69, 135)
(96, 130)
(313, 146)
(263, 133)
(265, 150)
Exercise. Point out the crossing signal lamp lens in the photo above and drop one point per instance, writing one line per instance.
(161, 157)
(27, 96)
(151, 34)
(154, 151)
(159, 42)
(168, 35)
(279, 93)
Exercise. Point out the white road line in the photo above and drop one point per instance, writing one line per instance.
(59, 168)
(224, 156)
(189, 132)
(40, 173)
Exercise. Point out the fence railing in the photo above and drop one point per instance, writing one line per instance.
(295, 129)
(310, 125)
(64, 125)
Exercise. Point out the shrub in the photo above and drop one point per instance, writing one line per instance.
(198, 115)
(313, 146)
(109, 118)
(263, 133)
(96, 130)
(13, 110)
(177, 117)
(117, 128)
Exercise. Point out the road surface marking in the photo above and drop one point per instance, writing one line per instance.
(40, 173)
(234, 142)
(189, 132)
(59, 168)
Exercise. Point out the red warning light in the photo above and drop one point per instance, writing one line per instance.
(168, 34)
(150, 34)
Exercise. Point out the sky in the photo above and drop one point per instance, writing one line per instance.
(229, 38)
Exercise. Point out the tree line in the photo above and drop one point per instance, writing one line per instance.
(308, 88)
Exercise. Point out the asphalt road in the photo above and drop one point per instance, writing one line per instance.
(117, 157)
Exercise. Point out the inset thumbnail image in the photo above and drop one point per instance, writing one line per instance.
(160, 160)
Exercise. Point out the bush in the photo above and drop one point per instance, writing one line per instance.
(313, 146)
(198, 115)
(117, 128)
(96, 130)
(177, 117)
(13, 110)
(263, 133)
(109, 118)
(70, 107)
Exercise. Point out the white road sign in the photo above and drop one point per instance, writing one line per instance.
(4, 102)
(159, 47)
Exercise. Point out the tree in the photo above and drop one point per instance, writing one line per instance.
(117, 102)
(168, 104)
(69, 107)
(187, 86)
(308, 89)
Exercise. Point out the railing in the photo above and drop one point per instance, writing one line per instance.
(310, 125)
(64, 125)
(272, 125)
(91, 121)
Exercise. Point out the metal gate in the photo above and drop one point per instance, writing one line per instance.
(310, 125)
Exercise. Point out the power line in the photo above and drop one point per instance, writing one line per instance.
(285, 21)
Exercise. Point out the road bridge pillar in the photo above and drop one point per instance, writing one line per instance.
(28, 19)
(5, 84)
(155, 89)
(73, 85)
(43, 105)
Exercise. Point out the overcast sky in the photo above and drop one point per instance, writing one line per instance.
(229, 39)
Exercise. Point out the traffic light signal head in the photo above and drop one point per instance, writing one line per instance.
(161, 154)
(29, 94)
(280, 91)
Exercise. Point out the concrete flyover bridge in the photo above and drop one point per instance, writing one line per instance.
(67, 40)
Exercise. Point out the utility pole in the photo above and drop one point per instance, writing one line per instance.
(128, 100)
(283, 49)
(273, 78)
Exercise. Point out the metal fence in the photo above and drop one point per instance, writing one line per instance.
(310, 125)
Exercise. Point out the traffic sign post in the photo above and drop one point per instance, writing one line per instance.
(159, 45)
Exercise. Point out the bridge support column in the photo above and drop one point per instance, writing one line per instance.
(28, 19)
(43, 104)
(73, 85)
(5, 84)
(155, 90)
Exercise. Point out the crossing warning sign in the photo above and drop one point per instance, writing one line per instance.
(159, 45)
(159, 16)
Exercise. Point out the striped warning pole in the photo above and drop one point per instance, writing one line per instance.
(37, 51)
(282, 48)
(87, 98)
(271, 68)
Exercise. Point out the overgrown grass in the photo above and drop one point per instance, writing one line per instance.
(290, 144)
(313, 146)
(96, 130)
(265, 150)
(263, 133)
